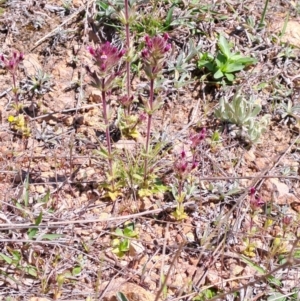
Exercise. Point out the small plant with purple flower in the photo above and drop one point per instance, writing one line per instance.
(106, 59)
(256, 203)
(11, 65)
(17, 123)
(153, 56)
(184, 167)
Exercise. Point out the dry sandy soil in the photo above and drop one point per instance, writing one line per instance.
(57, 226)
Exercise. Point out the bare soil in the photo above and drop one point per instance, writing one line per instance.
(57, 172)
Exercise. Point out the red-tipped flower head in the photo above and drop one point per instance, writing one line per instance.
(106, 56)
(196, 139)
(154, 54)
(256, 201)
(12, 64)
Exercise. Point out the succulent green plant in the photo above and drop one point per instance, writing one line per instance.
(225, 63)
(244, 114)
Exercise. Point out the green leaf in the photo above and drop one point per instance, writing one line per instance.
(103, 152)
(129, 227)
(235, 57)
(297, 254)
(39, 219)
(144, 192)
(224, 46)
(271, 279)
(119, 232)
(6, 258)
(210, 66)
(76, 270)
(218, 74)
(221, 61)
(46, 198)
(169, 16)
(103, 5)
(276, 297)
(16, 255)
(230, 77)
(32, 232)
(115, 242)
(246, 61)
(233, 67)
(130, 233)
(31, 271)
(124, 245)
(121, 297)
(113, 195)
(51, 236)
(138, 177)
(233, 191)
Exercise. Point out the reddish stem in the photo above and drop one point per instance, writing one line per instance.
(15, 88)
(128, 50)
(106, 122)
(151, 99)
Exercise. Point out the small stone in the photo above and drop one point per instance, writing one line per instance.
(40, 189)
(95, 96)
(135, 248)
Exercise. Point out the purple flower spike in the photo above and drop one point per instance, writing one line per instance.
(106, 57)
(168, 47)
(256, 202)
(194, 165)
(286, 220)
(252, 191)
(91, 50)
(142, 117)
(154, 54)
(12, 64)
(196, 139)
(183, 166)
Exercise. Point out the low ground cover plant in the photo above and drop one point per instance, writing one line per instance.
(243, 113)
(225, 63)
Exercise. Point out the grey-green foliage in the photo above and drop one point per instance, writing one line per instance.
(182, 65)
(290, 110)
(244, 114)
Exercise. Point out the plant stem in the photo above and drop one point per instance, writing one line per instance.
(262, 20)
(106, 122)
(128, 87)
(15, 91)
(149, 126)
